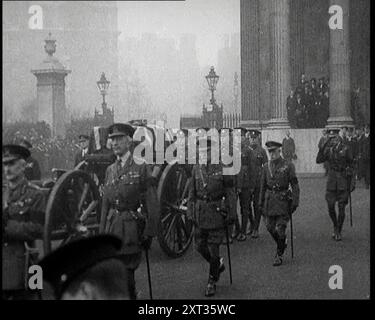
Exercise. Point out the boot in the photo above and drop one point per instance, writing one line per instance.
(278, 261)
(340, 223)
(255, 234)
(211, 288)
(241, 237)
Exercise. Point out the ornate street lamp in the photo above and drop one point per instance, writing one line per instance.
(103, 85)
(212, 80)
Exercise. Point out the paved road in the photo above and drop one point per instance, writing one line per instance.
(305, 277)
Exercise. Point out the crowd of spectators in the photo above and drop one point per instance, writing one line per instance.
(49, 152)
(308, 105)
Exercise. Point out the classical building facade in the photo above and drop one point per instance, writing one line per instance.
(281, 39)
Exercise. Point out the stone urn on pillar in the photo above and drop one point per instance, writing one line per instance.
(50, 75)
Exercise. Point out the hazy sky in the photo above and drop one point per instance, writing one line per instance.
(207, 19)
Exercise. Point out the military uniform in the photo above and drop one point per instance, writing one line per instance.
(32, 171)
(22, 223)
(211, 212)
(279, 197)
(340, 159)
(261, 158)
(245, 186)
(130, 208)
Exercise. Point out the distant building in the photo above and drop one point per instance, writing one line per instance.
(87, 43)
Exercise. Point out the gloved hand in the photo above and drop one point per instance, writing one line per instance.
(146, 242)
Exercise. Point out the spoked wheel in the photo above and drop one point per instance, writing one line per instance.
(175, 230)
(73, 209)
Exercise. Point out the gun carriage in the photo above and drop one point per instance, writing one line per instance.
(74, 196)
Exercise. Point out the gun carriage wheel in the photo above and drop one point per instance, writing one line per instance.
(176, 230)
(73, 209)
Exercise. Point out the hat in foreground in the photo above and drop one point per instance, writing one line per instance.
(273, 145)
(13, 152)
(61, 266)
(120, 129)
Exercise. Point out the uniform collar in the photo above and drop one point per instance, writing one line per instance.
(124, 159)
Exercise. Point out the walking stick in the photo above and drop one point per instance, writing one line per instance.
(228, 250)
(291, 234)
(148, 273)
(350, 177)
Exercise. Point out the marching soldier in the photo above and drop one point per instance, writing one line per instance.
(261, 158)
(245, 185)
(340, 178)
(23, 215)
(279, 196)
(211, 203)
(32, 171)
(130, 208)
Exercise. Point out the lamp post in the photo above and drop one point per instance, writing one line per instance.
(212, 80)
(103, 85)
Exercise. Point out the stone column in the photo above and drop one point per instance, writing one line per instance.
(339, 71)
(264, 60)
(50, 76)
(280, 63)
(250, 104)
(297, 64)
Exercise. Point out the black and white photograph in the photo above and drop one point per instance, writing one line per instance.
(207, 151)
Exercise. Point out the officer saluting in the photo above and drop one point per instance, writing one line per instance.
(23, 215)
(340, 177)
(130, 208)
(211, 199)
(279, 196)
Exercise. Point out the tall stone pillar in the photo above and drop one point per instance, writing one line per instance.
(280, 63)
(250, 84)
(264, 61)
(339, 71)
(51, 90)
(297, 63)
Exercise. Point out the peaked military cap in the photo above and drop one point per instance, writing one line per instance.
(272, 145)
(83, 137)
(120, 129)
(66, 263)
(13, 152)
(254, 133)
(333, 131)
